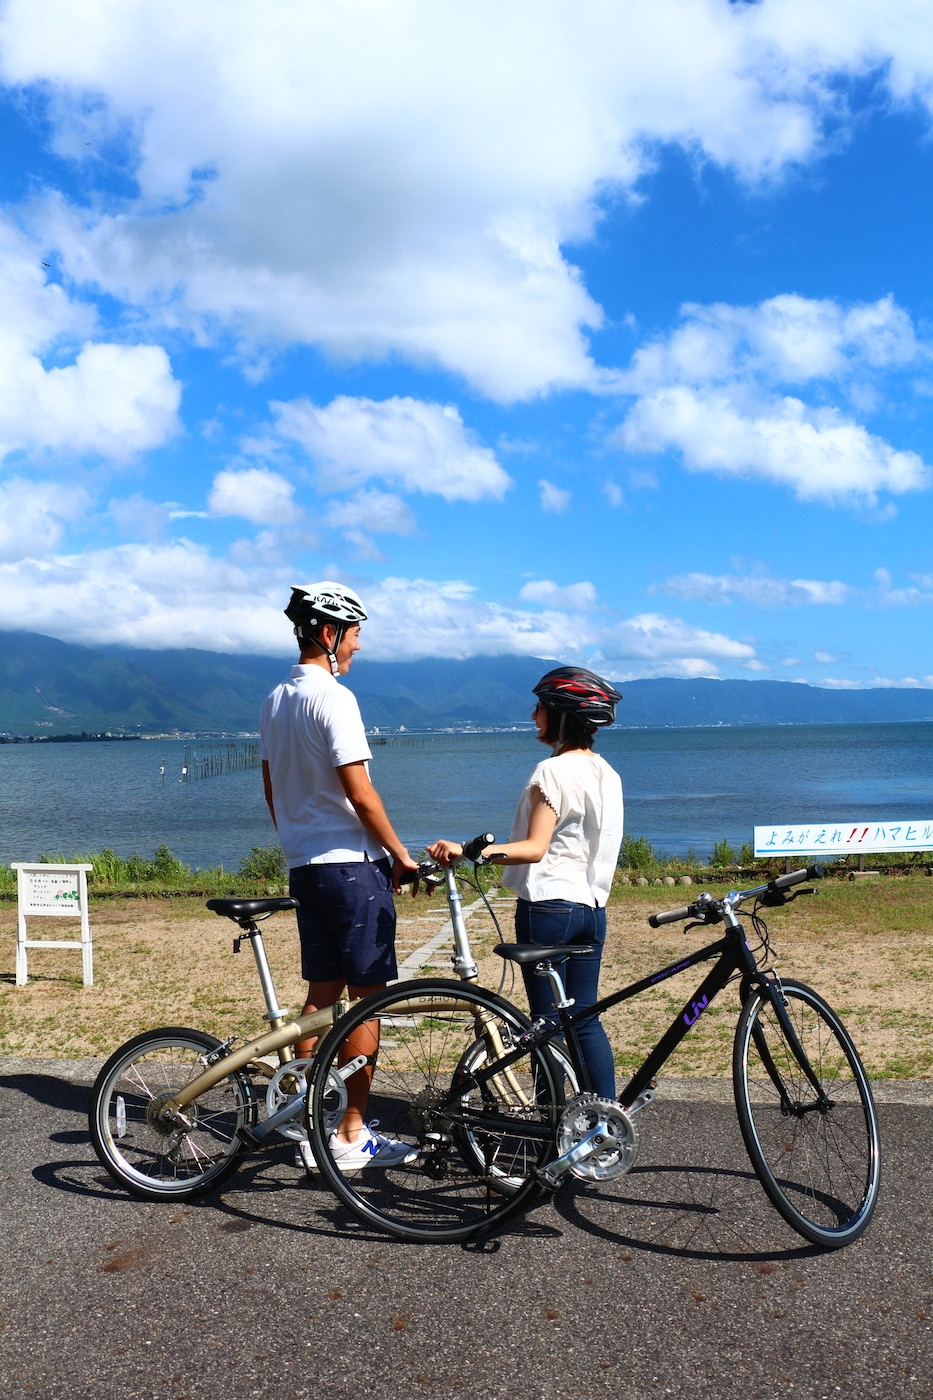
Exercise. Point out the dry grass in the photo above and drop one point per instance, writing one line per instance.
(866, 947)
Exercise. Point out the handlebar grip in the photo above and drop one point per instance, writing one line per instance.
(672, 916)
(474, 848)
(797, 877)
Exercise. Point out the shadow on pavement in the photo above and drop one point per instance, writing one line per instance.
(683, 1212)
(49, 1089)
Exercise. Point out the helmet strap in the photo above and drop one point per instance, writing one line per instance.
(340, 628)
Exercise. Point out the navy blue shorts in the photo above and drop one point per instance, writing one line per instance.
(346, 922)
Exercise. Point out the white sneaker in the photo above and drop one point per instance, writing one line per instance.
(304, 1157)
(370, 1150)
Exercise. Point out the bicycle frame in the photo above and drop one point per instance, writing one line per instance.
(285, 1033)
(733, 956)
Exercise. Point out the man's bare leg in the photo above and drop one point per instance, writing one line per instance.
(363, 1041)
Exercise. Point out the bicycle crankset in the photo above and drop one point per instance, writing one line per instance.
(288, 1080)
(611, 1137)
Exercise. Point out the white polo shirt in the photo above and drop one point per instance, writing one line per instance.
(309, 726)
(586, 794)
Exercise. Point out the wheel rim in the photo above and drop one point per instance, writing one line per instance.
(149, 1155)
(466, 1173)
(819, 1159)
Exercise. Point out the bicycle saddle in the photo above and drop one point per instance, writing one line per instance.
(523, 953)
(240, 909)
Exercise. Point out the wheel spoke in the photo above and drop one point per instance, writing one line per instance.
(818, 1163)
(171, 1163)
(458, 1178)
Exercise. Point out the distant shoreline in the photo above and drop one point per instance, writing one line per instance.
(385, 736)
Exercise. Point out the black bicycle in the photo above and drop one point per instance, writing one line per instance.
(492, 1117)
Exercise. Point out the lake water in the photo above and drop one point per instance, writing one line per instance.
(683, 788)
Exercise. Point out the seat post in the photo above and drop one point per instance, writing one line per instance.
(275, 1014)
(561, 1001)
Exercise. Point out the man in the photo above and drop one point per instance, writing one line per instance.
(336, 836)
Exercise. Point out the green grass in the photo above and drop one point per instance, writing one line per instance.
(262, 871)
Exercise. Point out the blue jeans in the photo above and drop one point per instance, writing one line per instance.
(552, 921)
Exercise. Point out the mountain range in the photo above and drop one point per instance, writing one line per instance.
(49, 687)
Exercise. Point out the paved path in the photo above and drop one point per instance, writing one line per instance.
(676, 1280)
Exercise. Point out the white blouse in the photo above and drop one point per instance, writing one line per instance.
(586, 794)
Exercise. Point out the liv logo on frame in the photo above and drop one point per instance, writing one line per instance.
(695, 1010)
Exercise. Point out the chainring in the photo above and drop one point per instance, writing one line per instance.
(288, 1080)
(581, 1116)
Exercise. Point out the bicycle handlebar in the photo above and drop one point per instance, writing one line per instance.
(672, 916)
(701, 907)
(472, 850)
(797, 877)
(429, 868)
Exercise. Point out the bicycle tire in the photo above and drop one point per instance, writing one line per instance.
(452, 1188)
(156, 1162)
(475, 1057)
(818, 1163)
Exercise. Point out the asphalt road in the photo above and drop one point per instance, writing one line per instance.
(677, 1280)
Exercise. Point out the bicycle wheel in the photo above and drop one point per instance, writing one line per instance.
(817, 1155)
(475, 1139)
(477, 1057)
(156, 1160)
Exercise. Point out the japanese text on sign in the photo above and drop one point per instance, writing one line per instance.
(55, 892)
(844, 838)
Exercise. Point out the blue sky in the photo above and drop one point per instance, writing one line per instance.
(598, 331)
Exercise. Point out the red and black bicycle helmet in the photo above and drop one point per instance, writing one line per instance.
(574, 690)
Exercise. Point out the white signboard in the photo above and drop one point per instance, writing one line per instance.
(52, 891)
(833, 839)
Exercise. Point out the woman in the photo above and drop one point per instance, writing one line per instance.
(563, 848)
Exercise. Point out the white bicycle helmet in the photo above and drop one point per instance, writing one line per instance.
(314, 604)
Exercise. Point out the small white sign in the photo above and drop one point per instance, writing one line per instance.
(832, 839)
(52, 891)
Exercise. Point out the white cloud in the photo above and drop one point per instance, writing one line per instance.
(577, 596)
(760, 590)
(138, 518)
(170, 595)
(553, 498)
(613, 493)
(99, 399)
(369, 513)
(378, 512)
(34, 516)
(368, 179)
(711, 391)
(654, 637)
(254, 494)
(824, 658)
(787, 339)
(764, 591)
(887, 596)
(178, 595)
(817, 452)
(879, 682)
(405, 442)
